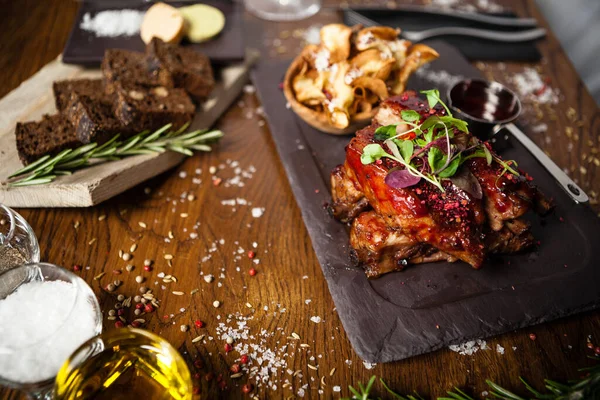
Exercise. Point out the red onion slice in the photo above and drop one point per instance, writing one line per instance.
(401, 178)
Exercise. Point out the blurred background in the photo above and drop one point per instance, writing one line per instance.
(576, 23)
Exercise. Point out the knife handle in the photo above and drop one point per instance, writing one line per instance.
(498, 36)
(568, 185)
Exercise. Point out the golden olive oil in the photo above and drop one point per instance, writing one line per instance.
(126, 364)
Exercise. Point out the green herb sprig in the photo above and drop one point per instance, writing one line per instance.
(425, 150)
(47, 168)
(587, 387)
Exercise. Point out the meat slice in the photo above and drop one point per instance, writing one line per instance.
(451, 222)
(505, 198)
(348, 198)
(393, 227)
(381, 249)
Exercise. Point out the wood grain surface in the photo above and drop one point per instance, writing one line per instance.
(34, 33)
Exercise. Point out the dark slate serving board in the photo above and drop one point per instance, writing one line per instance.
(85, 48)
(427, 307)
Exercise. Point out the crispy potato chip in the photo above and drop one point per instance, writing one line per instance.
(398, 49)
(371, 63)
(308, 87)
(376, 86)
(363, 109)
(417, 56)
(343, 95)
(336, 39)
(374, 36)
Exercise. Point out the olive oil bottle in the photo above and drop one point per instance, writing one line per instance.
(125, 364)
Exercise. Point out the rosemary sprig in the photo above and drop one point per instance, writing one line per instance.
(587, 387)
(47, 168)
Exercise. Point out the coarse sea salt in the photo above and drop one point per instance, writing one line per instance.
(469, 348)
(257, 212)
(48, 321)
(112, 23)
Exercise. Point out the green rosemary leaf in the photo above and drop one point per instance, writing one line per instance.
(62, 172)
(501, 393)
(110, 143)
(179, 131)
(30, 167)
(390, 391)
(129, 144)
(156, 134)
(74, 164)
(354, 392)
(459, 395)
(135, 152)
(104, 153)
(156, 149)
(53, 160)
(39, 181)
(181, 150)
(78, 151)
(200, 147)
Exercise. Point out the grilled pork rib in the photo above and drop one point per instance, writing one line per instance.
(392, 227)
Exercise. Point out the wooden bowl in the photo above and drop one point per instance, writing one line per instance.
(316, 119)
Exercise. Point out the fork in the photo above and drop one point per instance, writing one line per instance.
(510, 37)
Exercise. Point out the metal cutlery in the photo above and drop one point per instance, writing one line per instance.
(469, 16)
(499, 36)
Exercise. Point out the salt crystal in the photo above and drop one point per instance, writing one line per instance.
(369, 365)
(337, 389)
(499, 349)
(257, 212)
(315, 319)
(112, 23)
(49, 333)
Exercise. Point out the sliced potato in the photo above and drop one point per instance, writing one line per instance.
(164, 22)
(371, 63)
(342, 96)
(375, 86)
(202, 22)
(375, 37)
(417, 55)
(336, 39)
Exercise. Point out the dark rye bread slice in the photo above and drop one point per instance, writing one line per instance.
(94, 119)
(131, 67)
(51, 135)
(189, 69)
(63, 90)
(142, 108)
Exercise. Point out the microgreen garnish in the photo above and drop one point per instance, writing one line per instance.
(426, 148)
(47, 168)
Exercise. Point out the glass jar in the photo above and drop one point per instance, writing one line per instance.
(18, 243)
(128, 363)
(46, 312)
(283, 10)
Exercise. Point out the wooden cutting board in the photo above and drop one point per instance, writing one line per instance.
(91, 186)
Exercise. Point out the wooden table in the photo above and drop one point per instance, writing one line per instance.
(288, 275)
